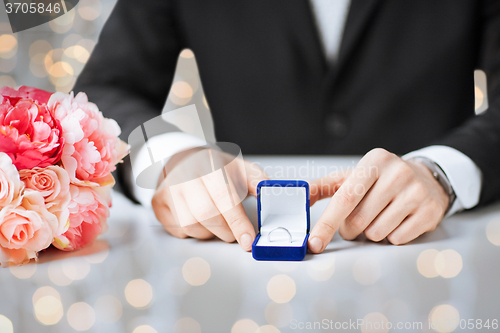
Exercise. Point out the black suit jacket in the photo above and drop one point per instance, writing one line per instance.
(403, 80)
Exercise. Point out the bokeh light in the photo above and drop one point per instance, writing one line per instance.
(444, 318)
(268, 329)
(245, 326)
(479, 97)
(196, 271)
(40, 46)
(366, 270)
(493, 231)
(8, 46)
(63, 23)
(375, 322)
(144, 329)
(6, 325)
(81, 316)
(97, 258)
(57, 275)
(108, 309)
(426, 263)
(76, 268)
(321, 269)
(181, 92)
(448, 263)
(187, 53)
(281, 288)
(89, 9)
(139, 293)
(23, 272)
(187, 325)
(47, 305)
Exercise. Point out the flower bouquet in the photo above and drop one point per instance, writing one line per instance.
(57, 152)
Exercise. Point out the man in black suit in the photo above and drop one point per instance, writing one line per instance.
(280, 81)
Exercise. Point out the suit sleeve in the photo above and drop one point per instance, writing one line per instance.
(131, 69)
(479, 138)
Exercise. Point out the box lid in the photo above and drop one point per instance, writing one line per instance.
(288, 197)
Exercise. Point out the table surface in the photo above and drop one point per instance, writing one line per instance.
(137, 278)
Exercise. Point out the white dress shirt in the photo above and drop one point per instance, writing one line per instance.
(464, 175)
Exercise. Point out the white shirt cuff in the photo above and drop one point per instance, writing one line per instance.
(160, 147)
(464, 175)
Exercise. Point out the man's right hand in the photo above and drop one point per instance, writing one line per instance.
(194, 200)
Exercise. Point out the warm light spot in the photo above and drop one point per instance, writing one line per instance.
(144, 329)
(366, 270)
(47, 305)
(63, 23)
(23, 272)
(57, 276)
(139, 293)
(448, 263)
(375, 322)
(71, 40)
(196, 271)
(108, 308)
(97, 258)
(8, 43)
(77, 52)
(268, 329)
(493, 231)
(40, 46)
(279, 315)
(181, 92)
(444, 318)
(245, 326)
(479, 97)
(7, 81)
(426, 263)
(52, 57)
(281, 288)
(6, 325)
(60, 69)
(187, 53)
(321, 269)
(187, 324)
(76, 268)
(89, 9)
(81, 316)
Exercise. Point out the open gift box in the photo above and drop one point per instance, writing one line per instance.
(283, 216)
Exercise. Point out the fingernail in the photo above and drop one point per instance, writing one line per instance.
(315, 245)
(246, 241)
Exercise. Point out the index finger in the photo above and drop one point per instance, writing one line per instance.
(343, 202)
(223, 195)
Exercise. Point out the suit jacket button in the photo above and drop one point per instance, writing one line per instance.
(337, 125)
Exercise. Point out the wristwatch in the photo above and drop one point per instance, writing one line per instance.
(440, 176)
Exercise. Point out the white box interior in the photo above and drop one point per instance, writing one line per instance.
(283, 207)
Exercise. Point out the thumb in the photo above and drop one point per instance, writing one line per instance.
(255, 175)
(325, 187)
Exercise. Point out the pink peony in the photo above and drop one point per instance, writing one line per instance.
(29, 133)
(38, 95)
(10, 184)
(25, 229)
(87, 219)
(52, 183)
(92, 147)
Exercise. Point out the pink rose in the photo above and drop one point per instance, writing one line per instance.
(87, 218)
(29, 133)
(92, 147)
(38, 95)
(10, 184)
(52, 183)
(25, 229)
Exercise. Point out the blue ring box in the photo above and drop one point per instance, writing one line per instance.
(282, 203)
